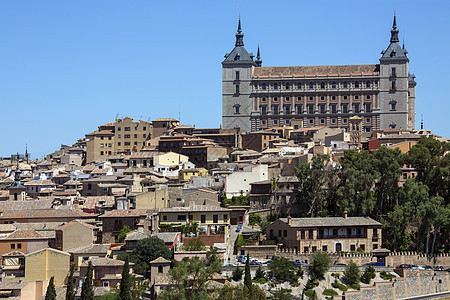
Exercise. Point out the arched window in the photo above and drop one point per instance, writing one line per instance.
(322, 85)
(288, 86)
(333, 85)
(311, 85)
(160, 269)
(368, 84)
(345, 85)
(275, 86)
(263, 86)
(356, 84)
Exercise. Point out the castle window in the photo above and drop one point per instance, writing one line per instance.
(322, 108)
(322, 98)
(311, 85)
(310, 108)
(275, 86)
(237, 108)
(368, 84)
(237, 89)
(344, 97)
(322, 121)
(264, 109)
(288, 86)
(263, 86)
(367, 97)
(322, 85)
(263, 99)
(299, 109)
(275, 99)
(275, 122)
(356, 84)
(333, 108)
(356, 97)
(299, 98)
(344, 121)
(393, 103)
(237, 75)
(356, 108)
(299, 86)
(393, 72)
(275, 109)
(345, 84)
(287, 109)
(288, 99)
(333, 121)
(311, 98)
(393, 85)
(367, 107)
(160, 269)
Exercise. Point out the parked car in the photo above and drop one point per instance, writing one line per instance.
(375, 264)
(239, 227)
(299, 263)
(417, 267)
(428, 268)
(242, 258)
(229, 265)
(403, 266)
(264, 263)
(254, 262)
(438, 268)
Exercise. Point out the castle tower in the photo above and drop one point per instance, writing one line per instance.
(394, 103)
(17, 191)
(237, 73)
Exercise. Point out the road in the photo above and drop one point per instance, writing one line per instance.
(229, 256)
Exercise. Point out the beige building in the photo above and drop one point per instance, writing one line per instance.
(156, 197)
(45, 263)
(130, 136)
(333, 234)
(73, 235)
(100, 143)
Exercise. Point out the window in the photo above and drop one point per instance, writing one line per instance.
(310, 234)
(349, 231)
(237, 75)
(322, 98)
(356, 97)
(344, 121)
(144, 135)
(322, 121)
(393, 103)
(287, 109)
(344, 97)
(356, 108)
(299, 98)
(109, 138)
(375, 232)
(305, 249)
(263, 86)
(237, 108)
(344, 108)
(118, 128)
(375, 246)
(310, 108)
(127, 128)
(127, 143)
(225, 217)
(119, 136)
(299, 108)
(135, 143)
(367, 120)
(299, 86)
(275, 99)
(393, 72)
(237, 89)
(127, 136)
(263, 122)
(367, 107)
(322, 85)
(263, 99)
(145, 128)
(13, 246)
(287, 122)
(333, 121)
(279, 233)
(324, 248)
(333, 108)
(275, 86)
(302, 235)
(311, 121)
(311, 85)
(363, 247)
(333, 98)
(181, 217)
(288, 99)
(101, 145)
(135, 136)
(203, 218)
(356, 84)
(275, 122)
(352, 248)
(322, 108)
(118, 143)
(215, 218)
(335, 232)
(333, 85)
(164, 218)
(368, 84)
(393, 85)
(264, 109)
(160, 269)
(101, 152)
(345, 85)
(285, 233)
(275, 109)
(288, 86)
(314, 249)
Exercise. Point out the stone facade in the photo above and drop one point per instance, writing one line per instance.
(255, 97)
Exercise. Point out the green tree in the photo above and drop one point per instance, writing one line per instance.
(237, 273)
(259, 273)
(194, 244)
(282, 269)
(148, 249)
(351, 273)
(368, 275)
(240, 292)
(247, 275)
(51, 291)
(123, 234)
(281, 294)
(125, 282)
(70, 291)
(320, 262)
(87, 290)
(254, 218)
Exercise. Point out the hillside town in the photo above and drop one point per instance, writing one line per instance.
(339, 203)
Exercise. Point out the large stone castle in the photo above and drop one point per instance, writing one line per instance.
(256, 97)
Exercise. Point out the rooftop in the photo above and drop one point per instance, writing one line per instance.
(332, 222)
(317, 70)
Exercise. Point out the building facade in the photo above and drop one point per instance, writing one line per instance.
(256, 97)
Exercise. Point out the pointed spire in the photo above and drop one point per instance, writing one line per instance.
(239, 35)
(258, 60)
(394, 31)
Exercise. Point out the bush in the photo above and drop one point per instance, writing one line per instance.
(310, 294)
(259, 273)
(240, 241)
(194, 244)
(351, 273)
(330, 292)
(369, 274)
(340, 286)
(300, 272)
(354, 286)
(237, 274)
(320, 264)
(282, 269)
(386, 276)
(260, 280)
(311, 283)
(254, 218)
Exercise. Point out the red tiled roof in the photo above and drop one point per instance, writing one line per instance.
(65, 226)
(25, 234)
(125, 213)
(44, 213)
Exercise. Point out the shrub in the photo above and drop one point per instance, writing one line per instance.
(194, 244)
(259, 273)
(282, 269)
(300, 272)
(240, 241)
(340, 286)
(311, 283)
(237, 274)
(254, 218)
(310, 294)
(354, 286)
(369, 273)
(330, 292)
(386, 276)
(320, 264)
(260, 280)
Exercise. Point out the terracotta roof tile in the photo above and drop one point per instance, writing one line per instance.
(24, 234)
(125, 213)
(65, 226)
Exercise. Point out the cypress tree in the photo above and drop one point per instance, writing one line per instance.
(70, 292)
(125, 282)
(247, 275)
(51, 291)
(87, 291)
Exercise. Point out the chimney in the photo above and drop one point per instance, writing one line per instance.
(345, 214)
(289, 220)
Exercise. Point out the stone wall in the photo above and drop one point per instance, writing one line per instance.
(410, 283)
(258, 251)
(208, 240)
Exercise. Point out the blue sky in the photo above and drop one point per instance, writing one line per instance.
(68, 66)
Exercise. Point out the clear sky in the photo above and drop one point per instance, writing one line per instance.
(68, 66)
